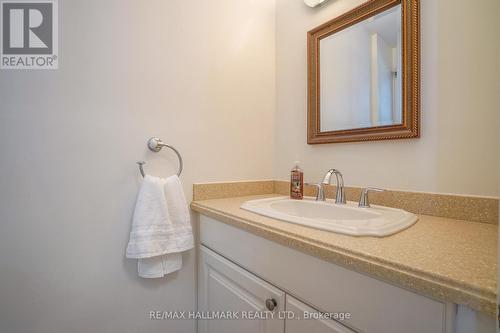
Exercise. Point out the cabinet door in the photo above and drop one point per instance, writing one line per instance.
(226, 287)
(300, 325)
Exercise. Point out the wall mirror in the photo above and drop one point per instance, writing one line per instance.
(363, 74)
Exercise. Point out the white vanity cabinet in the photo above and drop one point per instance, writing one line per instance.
(232, 292)
(240, 271)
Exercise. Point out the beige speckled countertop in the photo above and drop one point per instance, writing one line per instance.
(450, 260)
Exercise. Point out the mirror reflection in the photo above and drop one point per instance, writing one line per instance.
(360, 81)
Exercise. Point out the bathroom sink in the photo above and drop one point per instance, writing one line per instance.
(325, 215)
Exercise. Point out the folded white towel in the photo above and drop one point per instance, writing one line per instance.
(161, 227)
(159, 266)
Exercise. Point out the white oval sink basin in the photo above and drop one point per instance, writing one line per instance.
(346, 219)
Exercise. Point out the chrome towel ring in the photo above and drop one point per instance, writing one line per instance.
(155, 145)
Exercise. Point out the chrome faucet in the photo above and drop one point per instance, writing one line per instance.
(340, 196)
(320, 195)
(363, 199)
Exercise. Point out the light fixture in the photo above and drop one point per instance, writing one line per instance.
(314, 3)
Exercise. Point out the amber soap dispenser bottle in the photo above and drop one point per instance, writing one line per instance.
(297, 183)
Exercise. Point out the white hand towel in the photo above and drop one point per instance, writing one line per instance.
(161, 227)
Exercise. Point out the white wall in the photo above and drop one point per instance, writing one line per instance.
(458, 151)
(345, 79)
(384, 80)
(198, 74)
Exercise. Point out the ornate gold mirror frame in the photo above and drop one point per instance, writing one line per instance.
(410, 127)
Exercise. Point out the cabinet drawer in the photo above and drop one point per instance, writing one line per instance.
(314, 324)
(226, 288)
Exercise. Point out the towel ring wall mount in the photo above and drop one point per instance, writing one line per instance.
(156, 145)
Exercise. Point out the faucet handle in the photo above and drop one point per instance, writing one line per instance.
(363, 199)
(320, 195)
